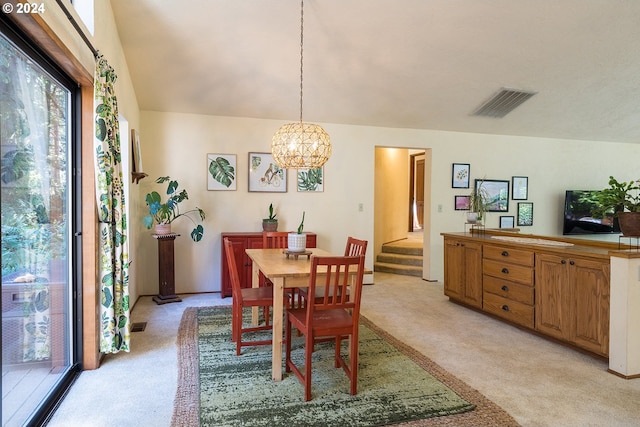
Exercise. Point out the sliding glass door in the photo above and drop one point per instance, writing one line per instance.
(38, 300)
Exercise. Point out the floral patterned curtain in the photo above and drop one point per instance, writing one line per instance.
(113, 245)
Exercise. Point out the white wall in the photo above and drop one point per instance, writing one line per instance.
(177, 144)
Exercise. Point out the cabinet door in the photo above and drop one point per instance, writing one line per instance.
(590, 283)
(552, 299)
(238, 243)
(463, 271)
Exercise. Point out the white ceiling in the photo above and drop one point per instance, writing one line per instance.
(425, 64)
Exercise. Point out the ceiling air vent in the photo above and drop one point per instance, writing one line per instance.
(503, 103)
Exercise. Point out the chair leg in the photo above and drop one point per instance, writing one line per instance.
(308, 352)
(287, 338)
(354, 365)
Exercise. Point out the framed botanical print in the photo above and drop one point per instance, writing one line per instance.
(460, 175)
(221, 171)
(311, 180)
(265, 175)
(462, 203)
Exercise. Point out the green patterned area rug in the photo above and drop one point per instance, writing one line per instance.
(396, 385)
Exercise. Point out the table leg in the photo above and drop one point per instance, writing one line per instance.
(278, 311)
(255, 282)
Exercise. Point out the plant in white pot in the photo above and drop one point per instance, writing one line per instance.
(477, 203)
(271, 223)
(164, 213)
(623, 200)
(297, 242)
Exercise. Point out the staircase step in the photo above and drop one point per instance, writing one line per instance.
(405, 270)
(402, 248)
(396, 258)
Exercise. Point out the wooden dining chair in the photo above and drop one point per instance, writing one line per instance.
(275, 239)
(329, 317)
(355, 247)
(246, 297)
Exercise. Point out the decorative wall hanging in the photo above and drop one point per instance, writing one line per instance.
(265, 175)
(221, 171)
(311, 180)
(506, 221)
(460, 175)
(525, 213)
(497, 194)
(520, 189)
(462, 203)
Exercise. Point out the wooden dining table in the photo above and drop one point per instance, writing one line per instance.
(284, 272)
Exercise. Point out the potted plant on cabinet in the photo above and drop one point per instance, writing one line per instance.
(297, 242)
(623, 199)
(477, 203)
(271, 223)
(164, 213)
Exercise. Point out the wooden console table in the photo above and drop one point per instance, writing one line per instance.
(166, 271)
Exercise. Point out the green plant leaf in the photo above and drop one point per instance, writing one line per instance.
(222, 171)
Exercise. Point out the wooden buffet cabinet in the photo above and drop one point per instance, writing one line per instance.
(240, 242)
(557, 291)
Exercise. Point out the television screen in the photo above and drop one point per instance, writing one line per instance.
(578, 217)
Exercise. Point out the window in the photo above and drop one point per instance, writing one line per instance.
(37, 107)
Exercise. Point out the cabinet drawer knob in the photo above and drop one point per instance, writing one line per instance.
(505, 270)
(563, 262)
(572, 262)
(505, 288)
(505, 253)
(505, 307)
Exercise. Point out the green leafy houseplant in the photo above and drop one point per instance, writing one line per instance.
(623, 200)
(168, 211)
(297, 242)
(478, 202)
(271, 223)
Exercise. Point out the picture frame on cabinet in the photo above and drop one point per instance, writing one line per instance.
(496, 193)
(506, 221)
(265, 175)
(460, 175)
(520, 188)
(221, 172)
(462, 203)
(525, 213)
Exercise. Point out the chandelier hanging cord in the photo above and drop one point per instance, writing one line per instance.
(301, 51)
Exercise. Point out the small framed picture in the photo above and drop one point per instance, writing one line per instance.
(520, 188)
(137, 153)
(506, 221)
(525, 213)
(265, 175)
(221, 171)
(462, 203)
(460, 175)
(311, 180)
(496, 194)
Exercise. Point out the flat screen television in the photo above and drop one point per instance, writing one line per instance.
(578, 219)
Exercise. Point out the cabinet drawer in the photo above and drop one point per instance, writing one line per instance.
(512, 311)
(508, 289)
(506, 271)
(513, 256)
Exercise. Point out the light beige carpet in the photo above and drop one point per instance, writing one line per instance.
(186, 406)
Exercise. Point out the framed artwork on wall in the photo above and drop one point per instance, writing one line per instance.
(520, 187)
(525, 213)
(265, 175)
(496, 192)
(460, 175)
(462, 203)
(311, 180)
(506, 221)
(137, 152)
(221, 171)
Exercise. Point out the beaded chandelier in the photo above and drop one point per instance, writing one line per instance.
(301, 145)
